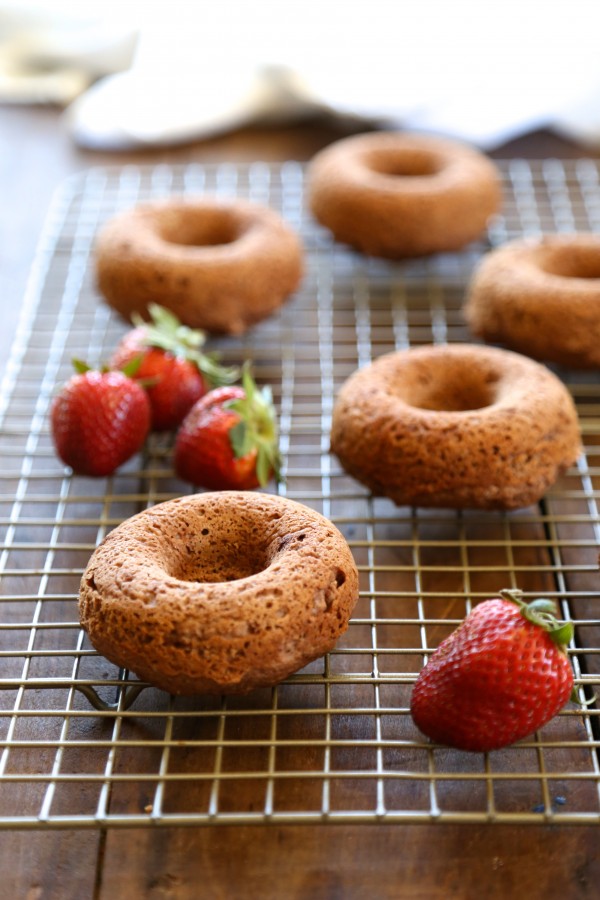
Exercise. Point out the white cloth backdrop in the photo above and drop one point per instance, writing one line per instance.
(480, 70)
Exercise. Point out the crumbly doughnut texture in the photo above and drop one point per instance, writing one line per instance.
(219, 592)
(219, 266)
(401, 195)
(541, 297)
(455, 426)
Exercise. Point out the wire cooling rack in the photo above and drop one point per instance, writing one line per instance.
(85, 745)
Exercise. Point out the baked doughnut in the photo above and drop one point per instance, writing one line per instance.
(455, 426)
(399, 195)
(219, 266)
(219, 592)
(542, 297)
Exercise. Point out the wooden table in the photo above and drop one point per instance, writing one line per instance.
(349, 861)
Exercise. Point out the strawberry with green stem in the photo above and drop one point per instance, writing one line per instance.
(501, 675)
(99, 419)
(171, 365)
(229, 439)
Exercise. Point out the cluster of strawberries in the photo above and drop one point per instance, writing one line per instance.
(159, 379)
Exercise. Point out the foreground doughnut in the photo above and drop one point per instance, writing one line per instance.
(541, 297)
(218, 266)
(219, 592)
(401, 195)
(455, 426)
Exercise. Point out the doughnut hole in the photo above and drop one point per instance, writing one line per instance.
(571, 262)
(451, 386)
(199, 228)
(211, 560)
(403, 162)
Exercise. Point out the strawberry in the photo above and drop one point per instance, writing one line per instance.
(500, 676)
(99, 419)
(228, 441)
(170, 365)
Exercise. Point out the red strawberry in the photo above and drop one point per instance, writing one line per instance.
(170, 365)
(499, 677)
(99, 420)
(228, 441)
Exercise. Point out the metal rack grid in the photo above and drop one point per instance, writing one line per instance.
(85, 745)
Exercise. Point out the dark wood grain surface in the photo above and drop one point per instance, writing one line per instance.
(349, 862)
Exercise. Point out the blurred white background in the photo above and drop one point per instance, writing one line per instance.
(132, 74)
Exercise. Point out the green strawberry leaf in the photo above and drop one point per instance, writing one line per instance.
(166, 332)
(563, 634)
(264, 466)
(215, 374)
(241, 439)
(132, 367)
(542, 605)
(256, 428)
(80, 366)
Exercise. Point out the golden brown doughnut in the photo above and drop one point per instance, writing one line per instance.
(455, 426)
(219, 266)
(219, 592)
(541, 297)
(399, 195)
